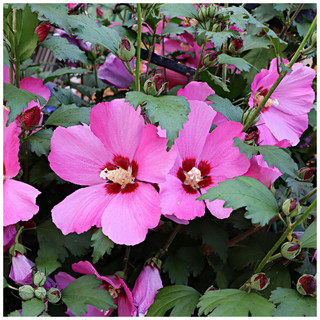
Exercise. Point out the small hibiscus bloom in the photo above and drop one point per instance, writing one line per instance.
(21, 269)
(19, 198)
(285, 114)
(203, 160)
(9, 234)
(119, 158)
(145, 289)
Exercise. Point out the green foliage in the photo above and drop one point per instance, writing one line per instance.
(246, 192)
(5, 283)
(65, 96)
(40, 142)
(253, 42)
(239, 63)
(54, 12)
(234, 303)
(182, 299)
(292, 304)
(178, 9)
(173, 28)
(69, 115)
(171, 112)
(15, 313)
(265, 12)
(18, 99)
(177, 269)
(309, 238)
(62, 49)
(274, 156)
(237, 15)
(32, 308)
(211, 79)
(194, 259)
(219, 38)
(101, 244)
(83, 291)
(225, 107)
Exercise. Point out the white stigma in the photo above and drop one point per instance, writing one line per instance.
(119, 175)
(193, 177)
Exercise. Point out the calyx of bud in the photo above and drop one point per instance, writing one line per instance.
(259, 281)
(306, 174)
(291, 207)
(17, 247)
(126, 50)
(40, 292)
(290, 250)
(53, 295)
(26, 292)
(307, 285)
(155, 85)
(252, 138)
(236, 45)
(210, 59)
(39, 279)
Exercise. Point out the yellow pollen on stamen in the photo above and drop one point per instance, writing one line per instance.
(119, 175)
(270, 102)
(193, 177)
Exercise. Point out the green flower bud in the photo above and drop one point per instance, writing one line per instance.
(306, 174)
(307, 285)
(290, 250)
(155, 85)
(314, 39)
(211, 10)
(40, 292)
(291, 207)
(236, 45)
(216, 27)
(92, 55)
(53, 295)
(126, 50)
(26, 292)
(259, 281)
(210, 59)
(202, 14)
(39, 279)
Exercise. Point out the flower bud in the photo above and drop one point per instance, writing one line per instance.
(307, 285)
(314, 40)
(26, 292)
(126, 50)
(17, 247)
(31, 117)
(40, 292)
(42, 30)
(259, 281)
(155, 85)
(290, 250)
(211, 10)
(53, 295)
(39, 279)
(252, 138)
(306, 174)
(236, 45)
(210, 59)
(291, 207)
(99, 12)
(202, 14)
(92, 55)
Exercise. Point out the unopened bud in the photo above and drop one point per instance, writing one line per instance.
(155, 85)
(210, 59)
(211, 10)
(126, 50)
(202, 14)
(40, 292)
(92, 55)
(252, 138)
(314, 39)
(39, 279)
(31, 117)
(99, 12)
(291, 207)
(307, 285)
(306, 174)
(236, 45)
(154, 262)
(42, 30)
(290, 250)
(26, 292)
(259, 281)
(53, 295)
(17, 247)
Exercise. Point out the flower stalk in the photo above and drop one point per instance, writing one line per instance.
(137, 74)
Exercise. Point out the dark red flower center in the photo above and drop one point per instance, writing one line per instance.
(309, 284)
(31, 117)
(126, 44)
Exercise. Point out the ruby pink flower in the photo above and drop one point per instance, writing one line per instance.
(118, 157)
(21, 269)
(285, 115)
(6, 74)
(203, 160)
(145, 289)
(43, 30)
(9, 234)
(18, 197)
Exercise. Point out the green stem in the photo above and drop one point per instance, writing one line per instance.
(11, 73)
(150, 53)
(275, 256)
(95, 73)
(138, 53)
(18, 234)
(281, 239)
(165, 248)
(25, 158)
(281, 76)
(162, 46)
(200, 59)
(309, 195)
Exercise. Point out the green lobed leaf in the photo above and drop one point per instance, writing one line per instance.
(63, 71)
(171, 112)
(234, 303)
(83, 291)
(292, 304)
(299, 188)
(265, 12)
(5, 283)
(309, 237)
(246, 192)
(101, 244)
(177, 269)
(182, 299)
(62, 49)
(47, 261)
(69, 115)
(40, 142)
(206, 76)
(65, 96)
(237, 15)
(253, 42)
(18, 99)
(219, 38)
(178, 9)
(87, 30)
(173, 28)
(14, 313)
(54, 12)
(32, 308)
(194, 259)
(239, 63)
(225, 107)
(274, 156)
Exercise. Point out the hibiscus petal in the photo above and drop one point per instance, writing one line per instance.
(152, 158)
(63, 279)
(216, 208)
(118, 126)
(35, 86)
(174, 200)
(19, 200)
(128, 217)
(77, 155)
(81, 210)
(195, 90)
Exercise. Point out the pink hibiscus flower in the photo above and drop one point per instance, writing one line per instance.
(285, 115)
(19, 198)
(9, 234)
(118, 289)
(203, 160)
(118, 157)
